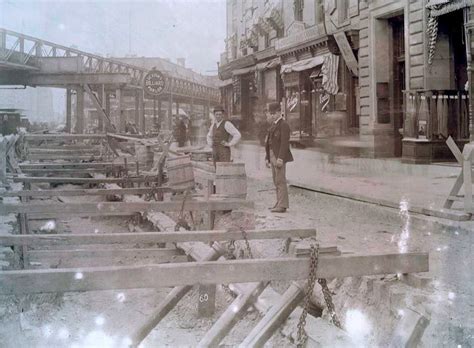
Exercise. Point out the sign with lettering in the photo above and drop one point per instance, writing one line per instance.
(346, 51)
(154, 82)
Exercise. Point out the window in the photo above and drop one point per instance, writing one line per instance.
(266, 38)
(298, 9)
(318, 12)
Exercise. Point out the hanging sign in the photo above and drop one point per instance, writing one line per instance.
(154, 82)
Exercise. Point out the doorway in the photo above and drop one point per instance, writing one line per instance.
(397, 80)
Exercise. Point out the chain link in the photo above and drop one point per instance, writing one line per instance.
(329, 303)
(181, 220)
(247, 244)
(302, 336)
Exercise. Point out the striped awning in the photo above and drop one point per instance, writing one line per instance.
(441, 7)
(438, 8)
(303, 64)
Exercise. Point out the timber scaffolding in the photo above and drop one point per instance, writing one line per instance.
(180, 258)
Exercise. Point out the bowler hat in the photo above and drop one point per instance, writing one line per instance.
(219, 108)
(273, 108)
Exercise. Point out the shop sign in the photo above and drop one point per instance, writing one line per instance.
(154, 82)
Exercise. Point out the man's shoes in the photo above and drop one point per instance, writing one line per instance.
(278, 210)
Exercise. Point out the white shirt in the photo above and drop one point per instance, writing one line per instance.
(230, 128)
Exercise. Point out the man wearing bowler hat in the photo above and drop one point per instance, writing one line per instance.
(222, 136)
(277, 149)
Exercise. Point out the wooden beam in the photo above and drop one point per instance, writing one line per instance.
(87, 258)
(62, 137)
(154, 237)
(59, 172)
(231, 316)
(63, 157)
(72, 180)
(274, 318)
(97, 165)
(214, 272)
(118, 208)
(88, 192)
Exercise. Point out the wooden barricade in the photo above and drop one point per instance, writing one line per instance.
(465, 178)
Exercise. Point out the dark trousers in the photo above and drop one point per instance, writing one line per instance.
(279, 179)
(220, 154)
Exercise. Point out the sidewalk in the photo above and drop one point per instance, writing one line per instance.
(418, 188)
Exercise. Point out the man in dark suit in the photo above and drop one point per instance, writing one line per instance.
(277, 149)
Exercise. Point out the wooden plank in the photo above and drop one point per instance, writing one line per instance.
(275, 317)
(72, 180)
(154, 237)
(409, 330)
(60, 172)
(467, 171)
(231, 316)
(70, 152)
(347, 53)
(90, 253)
(454, 149)
(63, 157)
(214, 272)
(63, 136)
(454, 191)
(88, 192)
(101, 165)
(118, 208)
(48, 261)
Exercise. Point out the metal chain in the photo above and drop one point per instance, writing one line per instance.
(229, 256)
(329, 303)
(302, 336)
(244, 235)
(181, 220)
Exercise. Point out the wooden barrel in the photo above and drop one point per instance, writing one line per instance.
(231, 180)
(180, 172)
(144, 155)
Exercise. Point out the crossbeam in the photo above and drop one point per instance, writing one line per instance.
(63, 137)
(73, 180)
(95, 165)
(154, 237)
(119, 208)
(88, 192)
(215, 272)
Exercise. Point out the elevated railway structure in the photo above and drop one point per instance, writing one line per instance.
(92, 79)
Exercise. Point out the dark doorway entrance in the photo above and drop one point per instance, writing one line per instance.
(397, 80)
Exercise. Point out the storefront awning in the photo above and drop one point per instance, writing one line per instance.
(301, 65)
(244, 71)
(223, 83)
(441, 7)
(271, 64)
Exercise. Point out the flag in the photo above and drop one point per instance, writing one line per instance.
(329, 72)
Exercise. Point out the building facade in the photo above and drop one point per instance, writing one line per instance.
(393, 74)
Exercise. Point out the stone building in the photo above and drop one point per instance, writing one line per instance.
(393, 74)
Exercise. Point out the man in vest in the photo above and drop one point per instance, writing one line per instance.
(222, 136)
(277, 150)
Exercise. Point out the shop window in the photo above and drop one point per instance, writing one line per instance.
(298, 6)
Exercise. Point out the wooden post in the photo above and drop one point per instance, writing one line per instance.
(107, 106)
(121, 111)
(68, 110)
(170, 110)
(467, 170)
(3, 159)
(101, 96)
(137, 109)
(141, 112)
(80, 110)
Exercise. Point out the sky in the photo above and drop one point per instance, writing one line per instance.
(193, 29)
